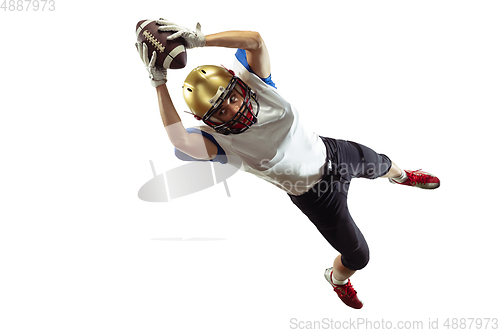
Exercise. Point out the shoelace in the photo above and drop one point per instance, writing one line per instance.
(417, 178)
(346, 289)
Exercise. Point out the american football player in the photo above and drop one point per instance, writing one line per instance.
(244, 115)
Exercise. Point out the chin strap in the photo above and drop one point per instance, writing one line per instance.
(195, 116)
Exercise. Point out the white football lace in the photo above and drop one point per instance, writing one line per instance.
(153, 41)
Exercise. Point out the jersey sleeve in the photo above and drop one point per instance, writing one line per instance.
(241, 55)
(221, 154)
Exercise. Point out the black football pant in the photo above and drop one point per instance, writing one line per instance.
(325, 204)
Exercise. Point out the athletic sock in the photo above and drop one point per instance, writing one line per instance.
(402, 178)
(339, 283)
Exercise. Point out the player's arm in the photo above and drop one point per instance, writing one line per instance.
(193, 144)
(250, 41)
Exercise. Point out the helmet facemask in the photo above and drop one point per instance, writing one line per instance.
(246, 115)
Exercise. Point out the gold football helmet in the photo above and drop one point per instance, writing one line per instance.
(205, 90)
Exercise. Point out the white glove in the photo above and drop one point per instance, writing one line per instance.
(193, 38)
(157, 75)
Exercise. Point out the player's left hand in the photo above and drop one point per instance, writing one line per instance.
(193, 38)
(157, 75)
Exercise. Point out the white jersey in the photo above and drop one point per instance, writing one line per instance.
(277, 148)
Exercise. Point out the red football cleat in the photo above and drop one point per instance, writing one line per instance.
(419, 179)
(346, 292)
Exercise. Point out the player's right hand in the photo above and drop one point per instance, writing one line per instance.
(157, 75)
(193, 38)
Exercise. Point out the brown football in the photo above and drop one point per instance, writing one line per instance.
(169, 54)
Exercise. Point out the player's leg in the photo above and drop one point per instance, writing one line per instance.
(417, 178)
(340, 272)
(394, 172)
(366, 163)
(326, 206)
(350, 242)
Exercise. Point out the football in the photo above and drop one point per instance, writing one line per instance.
(170, 54)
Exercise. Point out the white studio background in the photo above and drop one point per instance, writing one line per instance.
(80, 252)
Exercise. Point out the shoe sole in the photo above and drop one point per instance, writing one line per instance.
(432, 186)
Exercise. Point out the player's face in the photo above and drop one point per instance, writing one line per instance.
(234, 113)
(229, 107)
